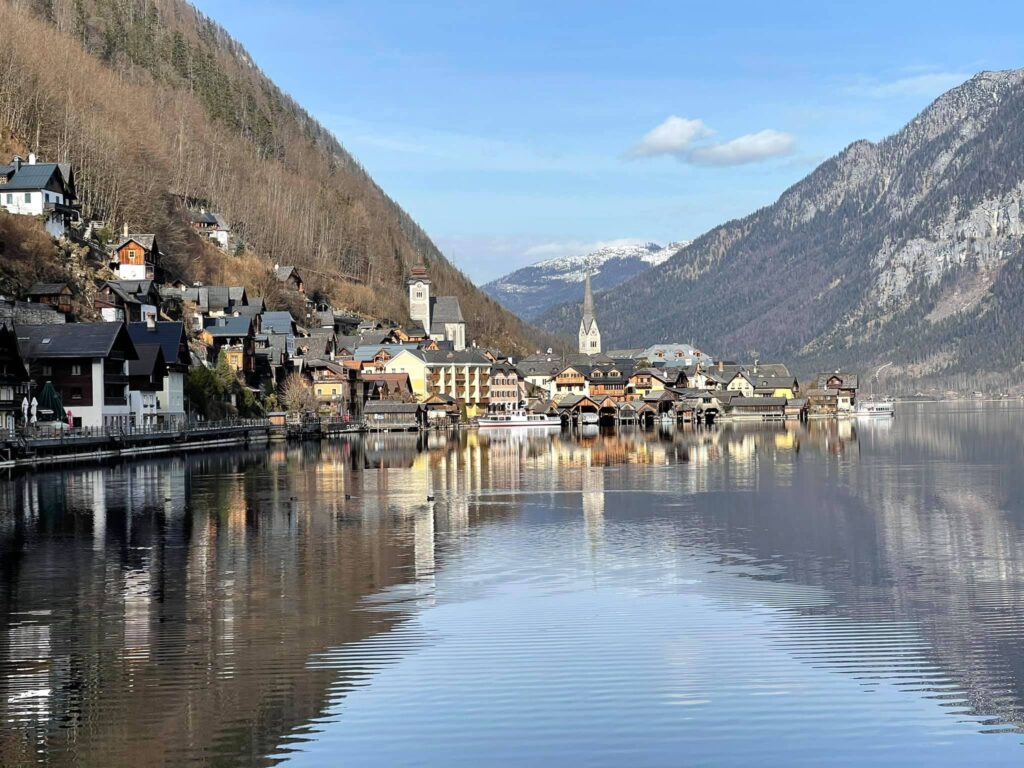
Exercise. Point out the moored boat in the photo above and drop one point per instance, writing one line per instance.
(882, 408)
(519, 418)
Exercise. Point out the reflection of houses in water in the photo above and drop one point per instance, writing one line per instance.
(593, 505)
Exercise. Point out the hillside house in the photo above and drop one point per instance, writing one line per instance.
(56, 295)
(290, 277)
(213, 226)
(40, 189)
(234, 337)
(87, 363)
(136, 257)
(129, 301)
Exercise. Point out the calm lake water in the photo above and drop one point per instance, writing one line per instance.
(836, 594)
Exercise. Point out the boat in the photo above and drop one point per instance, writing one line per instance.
(883, 408)
(519, 418)
(589, 418)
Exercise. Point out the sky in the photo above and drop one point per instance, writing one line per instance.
(517, 131)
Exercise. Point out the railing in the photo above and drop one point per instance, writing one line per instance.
(179, 427)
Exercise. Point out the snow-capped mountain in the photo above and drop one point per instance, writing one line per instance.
(532, 290)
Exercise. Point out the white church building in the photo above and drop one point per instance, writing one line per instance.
(440, 316)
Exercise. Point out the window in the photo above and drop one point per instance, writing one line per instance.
(46, 196)
(76, 370)
(10, 198)
(28, 197)
(47, 370)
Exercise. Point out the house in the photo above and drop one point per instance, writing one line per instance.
(440, 317)
(845, 384)
(235, 338)
(413, 363)
(290, 277)
(13, 380)
(56, 295)
(610, 381)
(442, 411)
(389, 415)
(337, 386)
(508, 388)
(40, 189)
(145, 380)
(136, 257)
(130, 301)
(572, 380)
(822, 402)
(170, 337)
(776, 386)
(758, 408)
(742, 382)
(87, 363)
(388, 386)
(676, 355)
(464, 375)
(212, 225)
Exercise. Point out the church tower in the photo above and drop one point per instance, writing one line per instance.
(419, 296)
(590, 335)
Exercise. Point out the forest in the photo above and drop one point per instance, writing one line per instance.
(157, 107)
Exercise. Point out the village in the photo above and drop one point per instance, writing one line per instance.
(169, 356)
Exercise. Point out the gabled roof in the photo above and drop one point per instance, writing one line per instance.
(37, 176)
(40, 342)
(368, 352)
(168, 335)
(277, 322)
(283, 273)
(146, 241)
(229, 326)
(465, 357)
(445, 309)
(150, 362)
(47, 289)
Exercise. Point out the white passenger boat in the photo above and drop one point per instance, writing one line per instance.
(882, 408)
(519, 419)
(589, 418)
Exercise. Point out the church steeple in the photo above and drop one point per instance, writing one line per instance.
(590, 335)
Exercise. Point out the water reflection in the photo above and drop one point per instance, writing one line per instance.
(261, 605)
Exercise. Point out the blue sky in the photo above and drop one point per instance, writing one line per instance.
(514, 131)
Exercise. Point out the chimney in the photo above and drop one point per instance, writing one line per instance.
(721, 366)
(31, 158)
(16, 162)
(126, 229)
(150, 322)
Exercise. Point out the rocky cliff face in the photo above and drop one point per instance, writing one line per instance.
(532, 290)
(906, 250)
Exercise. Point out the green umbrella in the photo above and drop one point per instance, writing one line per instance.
(51, 408)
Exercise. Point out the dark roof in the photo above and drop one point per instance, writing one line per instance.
(390, 406)
(47, 289)
(229, 326)
(146, 241)
(465, 357)
(742, 401)
(149, 363)
(850, 380)
(445, 309)
(217, 297)
(39, 342)
(277, 322)
(37, 176)
(283, 273)
(313, 346)
(168, 335)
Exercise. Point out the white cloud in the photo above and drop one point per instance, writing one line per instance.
(750, 148)
(672, 137)
(929, 84)
(681, 137)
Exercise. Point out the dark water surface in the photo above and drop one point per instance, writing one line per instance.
(837, 594)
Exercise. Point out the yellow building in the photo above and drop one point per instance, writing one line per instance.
(412, 362)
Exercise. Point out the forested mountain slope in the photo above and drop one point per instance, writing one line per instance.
(154, 103)
(908, 249)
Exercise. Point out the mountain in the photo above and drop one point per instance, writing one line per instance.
(532, 290)
(906, 250)
(156, 105)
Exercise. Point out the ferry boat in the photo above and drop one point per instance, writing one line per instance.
(519, 418)
(884, 408)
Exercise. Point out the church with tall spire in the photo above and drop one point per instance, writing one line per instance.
(590, 334)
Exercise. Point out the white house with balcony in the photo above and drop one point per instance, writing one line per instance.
(46, 190)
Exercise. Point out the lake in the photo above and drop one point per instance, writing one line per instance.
(837, 593)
